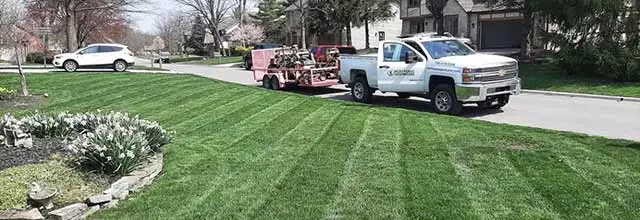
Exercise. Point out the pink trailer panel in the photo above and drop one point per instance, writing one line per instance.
(261, 60)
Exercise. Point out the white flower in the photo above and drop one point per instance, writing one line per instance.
(130, 154)
(101, 154)
(121, 156)
(109, 158)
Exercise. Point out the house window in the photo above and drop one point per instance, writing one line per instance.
(416, 26)
(414, 3)
(451, 24)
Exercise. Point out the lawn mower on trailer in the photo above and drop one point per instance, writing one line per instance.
(281, 67)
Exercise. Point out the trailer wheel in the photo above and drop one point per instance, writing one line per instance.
(266, 82)
(275, 83)
(360, 91)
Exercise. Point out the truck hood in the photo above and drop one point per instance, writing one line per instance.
(476, 60)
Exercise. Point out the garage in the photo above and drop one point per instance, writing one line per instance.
(501, 34)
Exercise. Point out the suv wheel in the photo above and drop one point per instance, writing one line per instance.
(70, 66)
(444, 100)
(120, 66)
(360, 91)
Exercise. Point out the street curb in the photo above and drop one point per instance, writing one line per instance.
(581, 95)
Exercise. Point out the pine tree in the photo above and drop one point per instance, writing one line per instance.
(270, 17)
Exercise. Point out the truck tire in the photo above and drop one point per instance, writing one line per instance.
(266, 82)
(360, 91)
(444, 100)
(502, 101)
(403, 95)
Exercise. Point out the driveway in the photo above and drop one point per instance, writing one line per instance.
(612, 119)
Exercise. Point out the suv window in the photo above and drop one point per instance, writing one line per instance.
(108, 49)
(94, 49)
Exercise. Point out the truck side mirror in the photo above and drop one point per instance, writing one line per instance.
(410, 57)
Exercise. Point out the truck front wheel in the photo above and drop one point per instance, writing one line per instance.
(444, 100)
(360, 91)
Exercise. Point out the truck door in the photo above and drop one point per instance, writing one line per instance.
(401, 68)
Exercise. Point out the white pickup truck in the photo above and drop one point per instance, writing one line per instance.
(439, 68)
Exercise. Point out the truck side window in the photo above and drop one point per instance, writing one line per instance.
(395, 52)
(416, 47)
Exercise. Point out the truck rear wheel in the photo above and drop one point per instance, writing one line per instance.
(266, 82)
(444, 100)
(360, 91)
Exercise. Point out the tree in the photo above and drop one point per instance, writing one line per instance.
(436, 7)
(528, 10)
(269, 17)
(372, 11)
(333, 15)
(212, 12)
(250, 33)
(15, 35)
(68, 12)
(172, 27)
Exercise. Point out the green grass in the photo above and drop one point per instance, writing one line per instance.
(72, 185)
(218, 61)
(549, 77)
(246, 153)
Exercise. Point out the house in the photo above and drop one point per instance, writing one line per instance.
(384, 30)
(488, 26)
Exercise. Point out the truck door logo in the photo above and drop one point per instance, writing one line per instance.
(401, 72)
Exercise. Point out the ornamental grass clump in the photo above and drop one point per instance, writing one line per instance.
(112, 148)
(6, 94)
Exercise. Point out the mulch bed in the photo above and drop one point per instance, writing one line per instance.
(40, 152)
(23, 102)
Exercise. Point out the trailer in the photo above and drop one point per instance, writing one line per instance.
(279, 68)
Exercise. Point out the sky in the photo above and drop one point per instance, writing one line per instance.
(156, 8)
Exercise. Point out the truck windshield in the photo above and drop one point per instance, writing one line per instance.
(446, 48)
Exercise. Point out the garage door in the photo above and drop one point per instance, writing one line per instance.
(501, 34)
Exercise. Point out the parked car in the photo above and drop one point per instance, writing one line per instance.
(111, 56)
(439, 68)
(247, 59)
(320, 52)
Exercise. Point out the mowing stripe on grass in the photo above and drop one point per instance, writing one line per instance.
(138, 93)
(247, 168)
(88, 83)
(191, 103)
(107, 91)
(371, 186)
(223, 162)
(312, 183)
(170, 97)
(432, 189)
(205, 105)
(495, 187)
(291, 147)
(616, 182)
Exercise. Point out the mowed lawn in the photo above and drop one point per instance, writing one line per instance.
(248, 153)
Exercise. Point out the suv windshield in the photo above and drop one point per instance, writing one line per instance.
(447, 48)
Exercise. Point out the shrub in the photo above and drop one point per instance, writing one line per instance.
(112, 148)
(113, 143)
(608, 60)
(6, 94)
(37, 57)
(239, 51)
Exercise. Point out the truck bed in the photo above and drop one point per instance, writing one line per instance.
(367, 63)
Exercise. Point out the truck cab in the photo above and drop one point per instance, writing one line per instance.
(440, 68)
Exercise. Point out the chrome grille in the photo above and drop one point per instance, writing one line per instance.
(497, 73)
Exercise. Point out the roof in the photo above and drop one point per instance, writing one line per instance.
(481, 6)
(107, 44)
(295, 5)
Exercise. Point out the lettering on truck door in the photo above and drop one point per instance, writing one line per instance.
(401, 68)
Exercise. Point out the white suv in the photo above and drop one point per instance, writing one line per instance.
(115, 56)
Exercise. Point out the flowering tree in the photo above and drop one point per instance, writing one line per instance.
(14, 34)
(250, 34)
